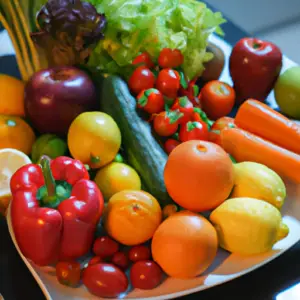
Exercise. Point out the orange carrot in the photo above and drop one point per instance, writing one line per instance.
(259, 119)
(245, 146)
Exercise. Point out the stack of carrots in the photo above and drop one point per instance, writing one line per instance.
(264, 136)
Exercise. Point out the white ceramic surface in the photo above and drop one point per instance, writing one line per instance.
(226, 266)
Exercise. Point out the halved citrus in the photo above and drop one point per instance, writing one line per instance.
(10, 161)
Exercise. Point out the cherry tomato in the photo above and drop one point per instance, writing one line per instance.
(169, 58)
(193, 131)
(146, 275)
(216, 129)
(168, 82)
(104, 247)
(105, 280)
(217, 99)
(184, 105)
(169, 210)
(144, 59)
(139, 252)
(192, 92)
(95, 260)
(166, 123)
(68, 273)
(141, 79)
(170, 145)
(152, 101)
(121, 260)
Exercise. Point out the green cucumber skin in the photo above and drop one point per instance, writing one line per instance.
(143, 152)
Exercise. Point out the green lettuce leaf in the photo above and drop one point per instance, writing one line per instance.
(135, 26)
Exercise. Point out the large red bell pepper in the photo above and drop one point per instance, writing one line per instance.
(55, 209)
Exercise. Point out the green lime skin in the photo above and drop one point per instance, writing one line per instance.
(287, 92)
(50, 145)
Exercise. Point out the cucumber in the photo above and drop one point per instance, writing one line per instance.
(142, 151)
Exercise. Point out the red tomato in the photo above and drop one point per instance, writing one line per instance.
(217, 127)
(217, 99)
(139, 252)
(68, 273)
(141, 79)
(95, 260)
(184, 105)
(104, 247)
(146, 275)
(170, 145)
(144, 59)
(192, 92)
(169, 58)
(168, 82)
(166, 123)
(121, 260)
(152, 101)
(105, 280)
(193, 131)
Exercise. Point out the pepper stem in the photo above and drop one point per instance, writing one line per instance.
(48, 177)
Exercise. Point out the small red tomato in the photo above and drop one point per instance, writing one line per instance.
(104, 247)
(146, 275)
(141, 79)
(168, 82)
(184, 105)
(193, 131)
(217, 127)
(192, 92)
(139, 252)
(105, 280)
(121, 260)
(170, 145)
(169, 58)
(152, 101)
(95, 260)
(169, 210)
(68, 273)
(217, 99)
(144, 59)
(166, 123)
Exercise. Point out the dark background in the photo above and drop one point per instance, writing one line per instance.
(17, 283)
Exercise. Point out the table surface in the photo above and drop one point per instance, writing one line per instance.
(265, 283)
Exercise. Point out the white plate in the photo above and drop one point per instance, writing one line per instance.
(226, 266)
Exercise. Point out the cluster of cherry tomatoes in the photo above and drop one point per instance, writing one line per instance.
(108, 267)
(179, 110)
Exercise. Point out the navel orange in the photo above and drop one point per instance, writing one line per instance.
(185, 245)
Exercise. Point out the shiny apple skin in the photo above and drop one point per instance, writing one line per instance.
(254, 70)
(54, 97)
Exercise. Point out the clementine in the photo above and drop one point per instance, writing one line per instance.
(199, 175)
(184, 245)
(132, 216)
(16, 133)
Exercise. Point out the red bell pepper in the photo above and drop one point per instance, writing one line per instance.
(55, 210)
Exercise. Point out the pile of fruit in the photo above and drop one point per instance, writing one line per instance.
(125, 169)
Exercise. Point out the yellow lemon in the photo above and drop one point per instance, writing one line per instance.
(94, 138)
(248, 226)
(10, 161)
(116, 177)
(255, 180)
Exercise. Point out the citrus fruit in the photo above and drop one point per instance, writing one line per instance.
(248, 226)
(11, 96)
(10, 161)
(94, 138)
(131, 217)
(287, 92)
(16, 133)
(116, 177)
(257, 181)
(199, 175)
(184, 245)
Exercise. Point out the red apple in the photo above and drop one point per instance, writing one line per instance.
(254, 67)
(55, 97)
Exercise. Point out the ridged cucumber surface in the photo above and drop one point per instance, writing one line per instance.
(143, 152)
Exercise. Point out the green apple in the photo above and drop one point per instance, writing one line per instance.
(287, 92)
